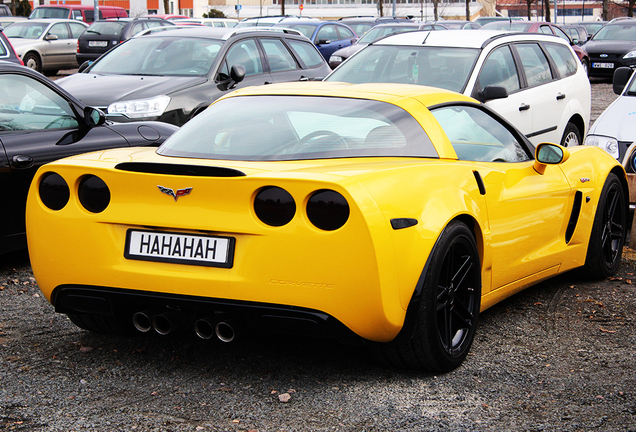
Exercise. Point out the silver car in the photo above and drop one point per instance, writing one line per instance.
(46, 45)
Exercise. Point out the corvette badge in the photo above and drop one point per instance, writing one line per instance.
(171, 192)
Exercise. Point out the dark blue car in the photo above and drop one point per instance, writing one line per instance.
(328, 36)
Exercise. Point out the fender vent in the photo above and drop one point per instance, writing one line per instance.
(180, 170)
(574, 217)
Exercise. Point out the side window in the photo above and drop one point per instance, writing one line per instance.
(499, 69)
(4, 53)
(560, 33)
(477, 136)
(32, 106)
(345, 33)
(76, 29)
(307, 53)
(153, 24)
(546, 29)
(246, 53)
(137, 27)
(535, 64)
(60, 30)
(327, 32)
(278, 56)
(563, 58)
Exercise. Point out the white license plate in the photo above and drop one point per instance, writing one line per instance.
(603, 65)
(97, 44)
(179, 248)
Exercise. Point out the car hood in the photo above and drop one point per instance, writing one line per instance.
(102, 90)
(20, 46)
(618, 120)
(609, 47)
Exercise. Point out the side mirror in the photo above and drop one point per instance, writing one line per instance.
(549, 154)
(50, 37)
(237, 73)
(493, 92)
(94, 117)
(621, 77)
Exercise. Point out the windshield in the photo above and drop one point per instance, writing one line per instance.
(106, 27)
(26, 30)
(49, 12)
(616, 32)
(257, 128)
(161, 55)
(442, 67)
(381, 31)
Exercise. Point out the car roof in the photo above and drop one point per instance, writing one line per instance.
(222, 33)
(52, 21)
(391, 93)
(460, 39)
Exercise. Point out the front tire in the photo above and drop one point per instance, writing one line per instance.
(605, 247)
(449, 308)
(571, 136)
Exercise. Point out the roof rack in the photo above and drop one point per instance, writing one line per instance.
(234, 30)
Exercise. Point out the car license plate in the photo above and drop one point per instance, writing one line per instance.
(179, 248)
(97, 44)
(603, 65)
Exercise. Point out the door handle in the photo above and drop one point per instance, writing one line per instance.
(22, 161)
(266, 82)
(524, 107)
(560, 96)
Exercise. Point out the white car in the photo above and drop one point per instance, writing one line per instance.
(615, 129)
(535, 81)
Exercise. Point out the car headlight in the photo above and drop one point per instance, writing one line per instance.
(335, 59)
(608, 144)
(152, 107)
(631, 54)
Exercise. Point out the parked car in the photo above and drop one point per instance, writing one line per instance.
(613, 46)
(210, 22)
(533, 80)
(386, 214)
(101, 36)
(8, 20)
(459, 24)
(175, 74)
(361, 24)
(263, 21)
(5, 10)
(377, 32)
(85, 13)
(614, 130)
(542, 27)
(170, 16)
(591, 26)
(7, 53)
(577, 33)
(39, 123)
(46, 45)
(483, 20)
(328, 36)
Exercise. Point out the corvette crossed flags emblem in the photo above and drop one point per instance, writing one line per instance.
(171, 192)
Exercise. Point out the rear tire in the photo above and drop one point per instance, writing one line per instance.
(32, 61)
(449, 308)
(571, 136)
(605, 248)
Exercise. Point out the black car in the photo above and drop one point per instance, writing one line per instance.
(7, 52)
(39, 123)
(102, 35)
(613, 46)
(174, 74)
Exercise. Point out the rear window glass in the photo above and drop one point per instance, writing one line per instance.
(106, 28)
(50, 12)
(299, 127)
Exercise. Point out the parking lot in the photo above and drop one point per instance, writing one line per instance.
(557, 357)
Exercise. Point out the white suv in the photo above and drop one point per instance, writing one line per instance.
(535, 81)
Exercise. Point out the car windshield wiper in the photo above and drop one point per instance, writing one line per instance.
(93, 31)
(631, 93)
(143, 74)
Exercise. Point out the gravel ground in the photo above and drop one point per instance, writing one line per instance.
(557, 357)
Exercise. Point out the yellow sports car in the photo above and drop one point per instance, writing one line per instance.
(388, 214)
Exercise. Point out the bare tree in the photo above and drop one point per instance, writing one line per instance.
(467, 10)
(529, 8)
(627, 4)
(547, 10)
(380, 9)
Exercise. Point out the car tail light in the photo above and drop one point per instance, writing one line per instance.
(54, 191)
(327, 210)
(78, 46)
(274, 206)
(93, 194)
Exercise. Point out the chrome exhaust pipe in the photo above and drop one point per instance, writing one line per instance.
(143, 321)
(205, 327)
(227, 331)
(166, 322)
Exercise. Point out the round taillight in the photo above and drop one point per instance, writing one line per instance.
(274, 206)
(93, 194)
(327, 210)
(54, 191)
